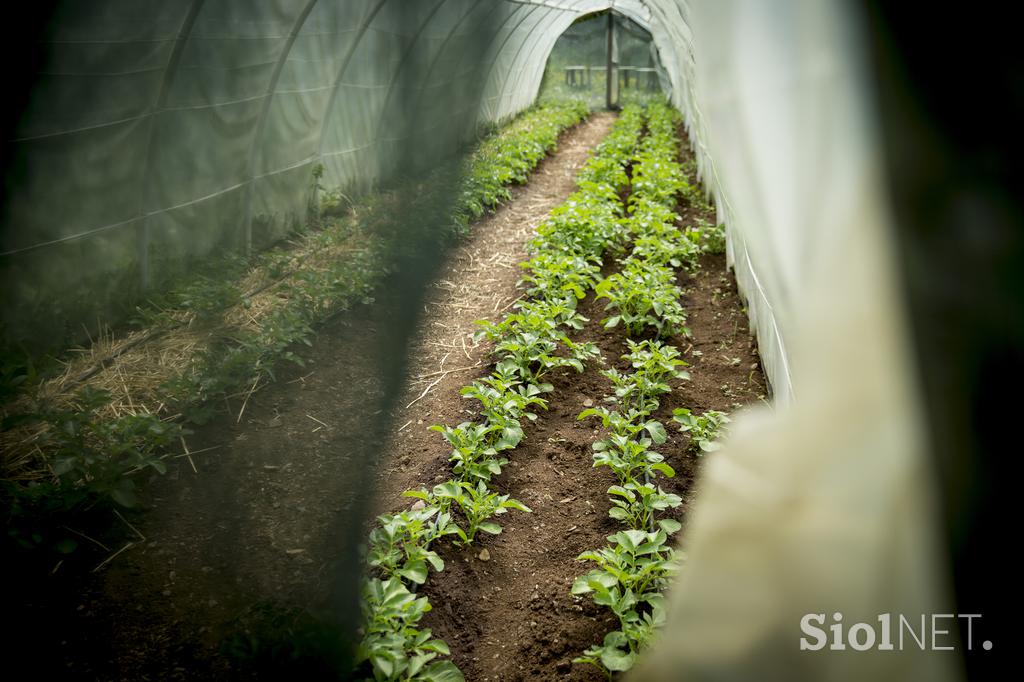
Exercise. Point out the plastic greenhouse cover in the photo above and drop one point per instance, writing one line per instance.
(171, 130)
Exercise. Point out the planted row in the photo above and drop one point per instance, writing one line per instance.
(507, 159)
(638, 562)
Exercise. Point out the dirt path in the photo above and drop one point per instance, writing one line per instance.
(478, 282)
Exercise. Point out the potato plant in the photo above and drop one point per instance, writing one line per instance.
(392, 644)
(588, 224)
(643, 295)
(508, 157)
(605, 170)
(659, 178)
(476, 502)
(476, 447)
(633, 565)
(638, 562)
(712, 237)
(704, 429)
(528, 341)
(504, 398)
(630, 459)
(399, 545)
(621, 142)
(96, 456)
(648, 217)
(552, 274)
(631, 424)
(631, 572)
(670, 247)
(636, 505)
(653, 363)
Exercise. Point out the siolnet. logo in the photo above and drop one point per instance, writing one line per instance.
(892, 632)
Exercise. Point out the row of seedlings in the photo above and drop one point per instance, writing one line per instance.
(528, 344)
(638, 562)
(509, 157)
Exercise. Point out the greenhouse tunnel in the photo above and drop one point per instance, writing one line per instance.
(149, 139)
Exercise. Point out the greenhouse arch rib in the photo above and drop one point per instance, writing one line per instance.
(401, 65)
(493, 114)
(455, 29)
(333, 98)
(514, 95)
(169, 70)
(261, 122)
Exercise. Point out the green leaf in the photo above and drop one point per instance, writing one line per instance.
(383, 664)
(438, 646)
(416, 571)
(670, 525)
(124, 496)
(66, 546)
(490, 527)
(631, 539)
(435, 561)
(442, 671)
(448, 489)
(604, 597)
(664, 468)
(621, 492)
(617, 660)
(657, 431)
(417, 662)
(603, 579)
(516, 504)
(582, 585)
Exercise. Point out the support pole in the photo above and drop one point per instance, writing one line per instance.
(608, 69)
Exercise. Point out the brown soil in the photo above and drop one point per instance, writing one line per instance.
(512, 617)
(249, 536)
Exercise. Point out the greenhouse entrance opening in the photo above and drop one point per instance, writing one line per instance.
(595, 45)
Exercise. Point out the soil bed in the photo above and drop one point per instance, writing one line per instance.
(512, 617)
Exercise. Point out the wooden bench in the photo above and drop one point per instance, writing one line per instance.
(636, 72)
(571, 73)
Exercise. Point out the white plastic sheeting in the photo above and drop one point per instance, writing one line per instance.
(826, 505)
(171, 130)
(164, 131)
